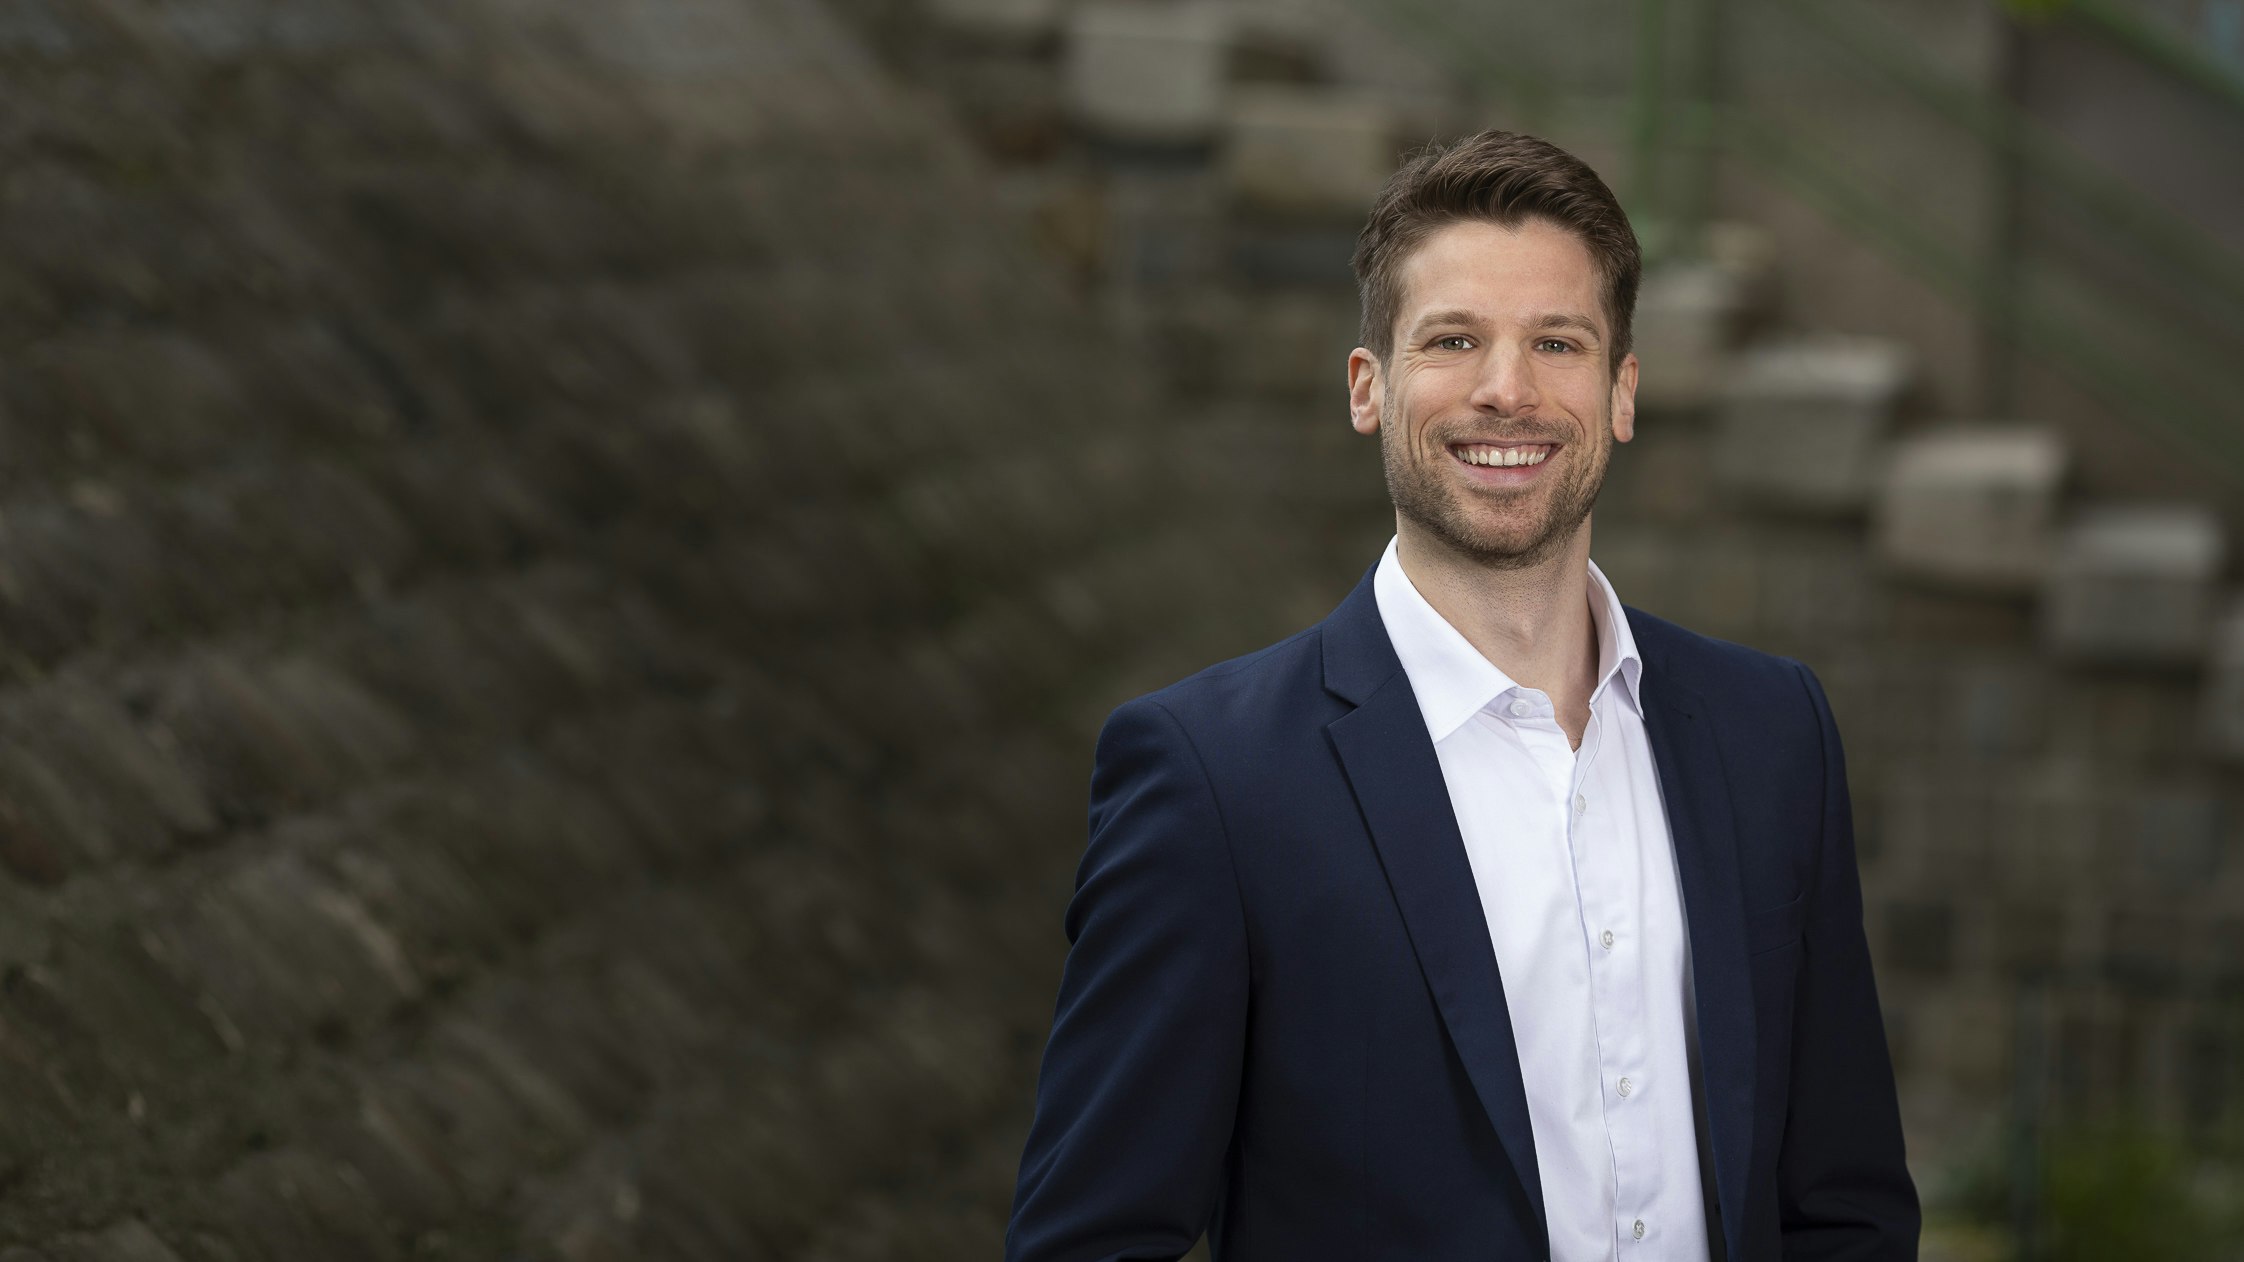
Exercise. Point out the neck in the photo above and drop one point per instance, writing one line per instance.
(1533, 623)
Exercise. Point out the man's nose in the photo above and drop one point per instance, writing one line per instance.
(1507, 382)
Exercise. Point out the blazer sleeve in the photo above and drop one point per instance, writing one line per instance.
(1843, 1189)
(1140, 1081)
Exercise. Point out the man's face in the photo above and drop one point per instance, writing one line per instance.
(1500, 354)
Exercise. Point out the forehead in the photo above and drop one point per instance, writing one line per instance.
(1529, 269)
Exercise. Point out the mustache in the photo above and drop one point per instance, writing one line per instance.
(1507, 436)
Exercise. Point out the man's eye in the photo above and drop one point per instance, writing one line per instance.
(1454, 342)
(1555, 344)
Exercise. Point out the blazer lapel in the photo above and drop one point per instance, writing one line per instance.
(1390, 763)
(1695, 788)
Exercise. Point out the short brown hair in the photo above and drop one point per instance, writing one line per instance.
(1502, 177)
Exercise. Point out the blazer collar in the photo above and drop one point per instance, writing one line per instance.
(1390, 762)
(1388, 756)
(1695, 787)
(1359, 658)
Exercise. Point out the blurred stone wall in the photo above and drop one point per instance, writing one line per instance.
(558, 565)
(560, 559)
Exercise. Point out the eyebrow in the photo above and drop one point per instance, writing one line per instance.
(1454, 315)
(1568, 320)
(1461, 317)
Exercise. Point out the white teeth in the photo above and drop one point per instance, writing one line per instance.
(1505, 457)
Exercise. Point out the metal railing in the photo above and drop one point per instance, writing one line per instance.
(2066, 269)
(2160, 49)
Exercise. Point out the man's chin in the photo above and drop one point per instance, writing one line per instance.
(1494, 548)
(1507, 555)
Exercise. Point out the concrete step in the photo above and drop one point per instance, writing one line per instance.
(2134, 584)
(1800, 423)
(1147, 74)
(1971, 506)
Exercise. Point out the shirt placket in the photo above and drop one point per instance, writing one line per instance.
(1605, 873)
(1600, 875)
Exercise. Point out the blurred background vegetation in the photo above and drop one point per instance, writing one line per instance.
(560, 559)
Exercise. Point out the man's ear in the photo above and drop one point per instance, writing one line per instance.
(1624, 400)
(1363, 391)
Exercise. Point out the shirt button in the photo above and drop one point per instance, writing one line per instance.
(1606, 938)
(1520, 709)
(1627, 1086)
(1638, 1229)
(1580, 804)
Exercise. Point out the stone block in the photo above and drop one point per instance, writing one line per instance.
(2088, 1059)
(236, 29)
(1161, 226)
(81, 576)
(998, 21)
(354, 727)
(41, 29)
(1972, 506)
(2142, 951)
(138, 785)
(1149, 74)
(2000, 708)
(2224, 684)
(1299, 351)
(2133, 584)
(2223, 951)
(1748, 252)
(1687, 317)
(166, 398)
(402, 1160)
(2171, 839)
(1311, 152)
(2204, 1072)
(1817, 592)
(1005, 92)
(294, 1204)
(247, 752)
(127, 1241)
(47, 828)
(287, 952)
(87, 251)
(1272, 45)
(1662, 480)
(1293, 254)
(2029, 938)
(1937, 826)
(1967, 1035)
(1800, 421)
(1920, 937)
(2050, 827)
(526, 1086)
(468, 511)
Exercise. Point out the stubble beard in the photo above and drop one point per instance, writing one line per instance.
(1431, 499)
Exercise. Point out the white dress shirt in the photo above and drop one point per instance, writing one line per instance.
(1571, 856)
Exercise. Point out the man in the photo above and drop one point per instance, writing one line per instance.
(1485, 919)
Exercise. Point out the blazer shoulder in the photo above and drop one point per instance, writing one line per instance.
(1260, 685)
(1720, 673)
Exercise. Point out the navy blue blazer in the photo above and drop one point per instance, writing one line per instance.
(1281, 1020)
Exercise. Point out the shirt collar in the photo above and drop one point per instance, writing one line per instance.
(1453, 682)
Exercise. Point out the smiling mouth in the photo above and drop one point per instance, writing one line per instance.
(1504, 456)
